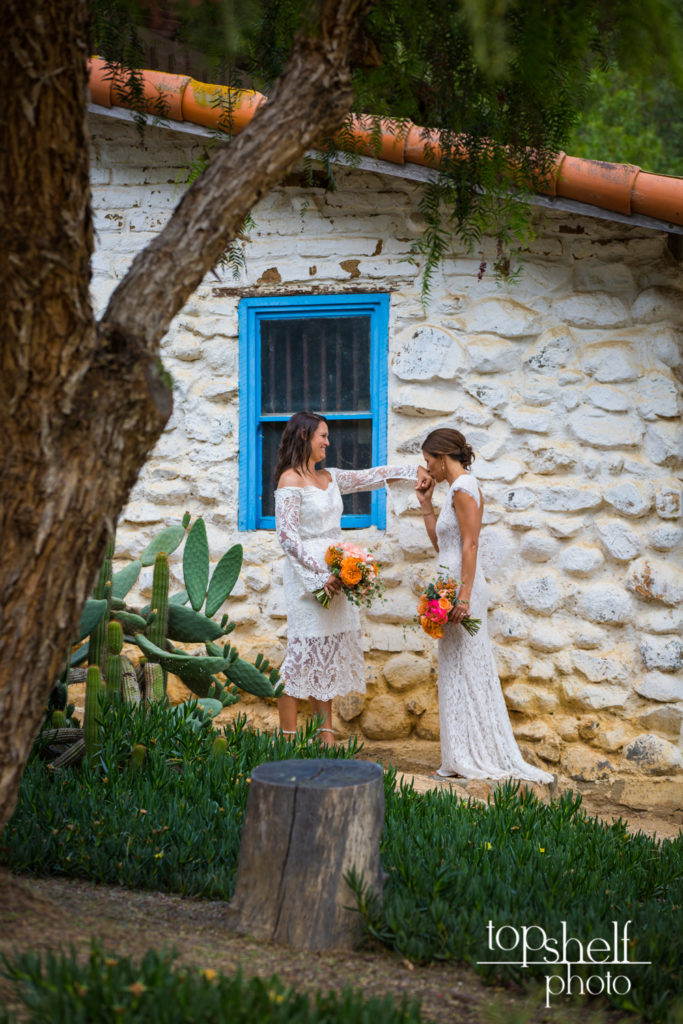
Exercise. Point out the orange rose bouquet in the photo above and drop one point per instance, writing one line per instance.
(358, 572)
(436, 604)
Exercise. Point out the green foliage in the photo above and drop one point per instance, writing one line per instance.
(196, 564)
(454, 866)
(61, 990)
(160, 582)
(91, 615)
(627, 122)
(224, 578)
(93, 711)
(168, 540)
(124, 580)
(174, 826)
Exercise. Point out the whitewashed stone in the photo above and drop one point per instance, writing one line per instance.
(186, 348)
(540, 594)
(492, 449)
(581, 560)
(245, 614)
(666, 345)
(204, 423)
(428, 353)
(553, 350)
(657, 396)
(667, 719)
(506, 470)
(221, 356)
(602, 430)
(618, 539)
(594, 275)
(505, 625)
(610, 399)
(665, 655)
(538, 547)
(399, 608)
(604, 603)
(594, 696)
(565, 528)
(542, 671)
(490, 354)
(542, 393)
(438, 400)
(586, 765)
(589, 637)
(658, 304)
(668, 503)
(529, 420)
(518, 498)
(413, 539)
(493, 396)
(405, 671)
(613, 740)
(257, 578)
(598, 669)
(548, 636)
(511, 662)
(664, 443)
(571, 397)
(505, 317)
(662, 620)
(522, 521)
(568, 499)
(552, 459)
(653, 755)
(611, 363)
(630, 499)
(276, 606)
(665, 538)
(660, 686)
(656, 581)
(529, 699)
(386, 637)
(598, 309)
(496, 549)
(533, 730)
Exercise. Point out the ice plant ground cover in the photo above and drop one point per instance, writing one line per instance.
(174, 825)
(61, 990)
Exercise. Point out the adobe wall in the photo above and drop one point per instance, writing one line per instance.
(565, 383)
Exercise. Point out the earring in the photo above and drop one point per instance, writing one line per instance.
(443, 466)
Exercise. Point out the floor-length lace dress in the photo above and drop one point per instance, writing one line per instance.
(324, 657)
(477, 741)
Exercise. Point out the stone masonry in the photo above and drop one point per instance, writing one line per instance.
(566, 382)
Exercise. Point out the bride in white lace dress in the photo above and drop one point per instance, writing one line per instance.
(477, 741)
(324, 657)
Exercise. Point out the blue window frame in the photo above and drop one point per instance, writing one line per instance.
(324, 353)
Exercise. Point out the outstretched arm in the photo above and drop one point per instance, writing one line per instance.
(351, 480)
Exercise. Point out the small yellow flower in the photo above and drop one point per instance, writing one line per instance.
(488, 846)
(541, 849)
(158, 856)
(209, 973)
(137, 988)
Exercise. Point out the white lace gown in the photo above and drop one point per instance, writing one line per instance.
(477, 741)
(324, 657)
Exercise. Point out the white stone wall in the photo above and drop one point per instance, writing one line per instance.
(565, 382)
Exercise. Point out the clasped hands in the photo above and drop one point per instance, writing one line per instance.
(424, 487)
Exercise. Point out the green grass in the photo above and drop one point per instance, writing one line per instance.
(175, 825)
(109, 990)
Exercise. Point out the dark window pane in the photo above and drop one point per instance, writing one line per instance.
(350, 448)
(320, 364)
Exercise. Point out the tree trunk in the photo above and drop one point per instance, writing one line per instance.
(81, 405)
(308, 823)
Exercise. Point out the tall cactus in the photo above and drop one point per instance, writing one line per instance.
(114, 668)
(160, 581)
(91, 723)
(103, 589)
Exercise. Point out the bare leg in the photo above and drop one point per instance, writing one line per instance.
(287, 709)
(323, 708)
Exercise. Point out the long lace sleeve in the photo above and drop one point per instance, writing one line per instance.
(350, 480)
(287, 510)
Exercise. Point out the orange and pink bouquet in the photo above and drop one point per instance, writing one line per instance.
(436, 604)
(358, 572)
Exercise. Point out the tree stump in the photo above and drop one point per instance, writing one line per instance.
(308, 823)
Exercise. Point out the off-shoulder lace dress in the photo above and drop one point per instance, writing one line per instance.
(324, 657)
(476, 736)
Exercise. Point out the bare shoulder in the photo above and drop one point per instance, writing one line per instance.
(290, 478)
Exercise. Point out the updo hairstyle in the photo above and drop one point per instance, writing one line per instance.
(295, 443)
(446, 441)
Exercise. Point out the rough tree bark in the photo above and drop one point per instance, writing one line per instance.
(82, 403)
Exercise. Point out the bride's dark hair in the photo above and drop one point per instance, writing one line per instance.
(446, 441)
(295, 443)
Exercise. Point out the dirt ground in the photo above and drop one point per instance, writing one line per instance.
(56, 913)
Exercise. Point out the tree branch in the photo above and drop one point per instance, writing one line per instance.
(308, 104)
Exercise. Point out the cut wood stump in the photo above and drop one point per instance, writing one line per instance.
(308, 823)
